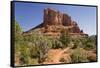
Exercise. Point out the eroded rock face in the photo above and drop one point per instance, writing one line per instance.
(54, 22)
(52, 17)
(66, 20)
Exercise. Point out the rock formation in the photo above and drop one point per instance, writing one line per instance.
(54, 22)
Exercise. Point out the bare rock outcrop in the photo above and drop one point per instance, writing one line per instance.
(54, 22)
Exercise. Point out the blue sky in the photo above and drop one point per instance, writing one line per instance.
(29, 15)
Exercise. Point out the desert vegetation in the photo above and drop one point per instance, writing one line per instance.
(37, 49)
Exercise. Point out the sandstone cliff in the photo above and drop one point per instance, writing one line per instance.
(54, 22)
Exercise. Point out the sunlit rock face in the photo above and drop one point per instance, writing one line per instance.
(54, 22)
(52, 17)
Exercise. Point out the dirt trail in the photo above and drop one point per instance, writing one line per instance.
(55, 55)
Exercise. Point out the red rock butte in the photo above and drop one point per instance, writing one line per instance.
(55, 22)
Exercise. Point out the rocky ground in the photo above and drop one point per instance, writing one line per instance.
(56, 56)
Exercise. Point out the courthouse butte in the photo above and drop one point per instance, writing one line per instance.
(54, 23)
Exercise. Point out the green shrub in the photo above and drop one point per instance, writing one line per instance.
(17, 27)
(77, 43)
(56, 44)
(33, 61)
(65, 38)
(79, 55)
(89, 45)
(18, 30)
(39, 46)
